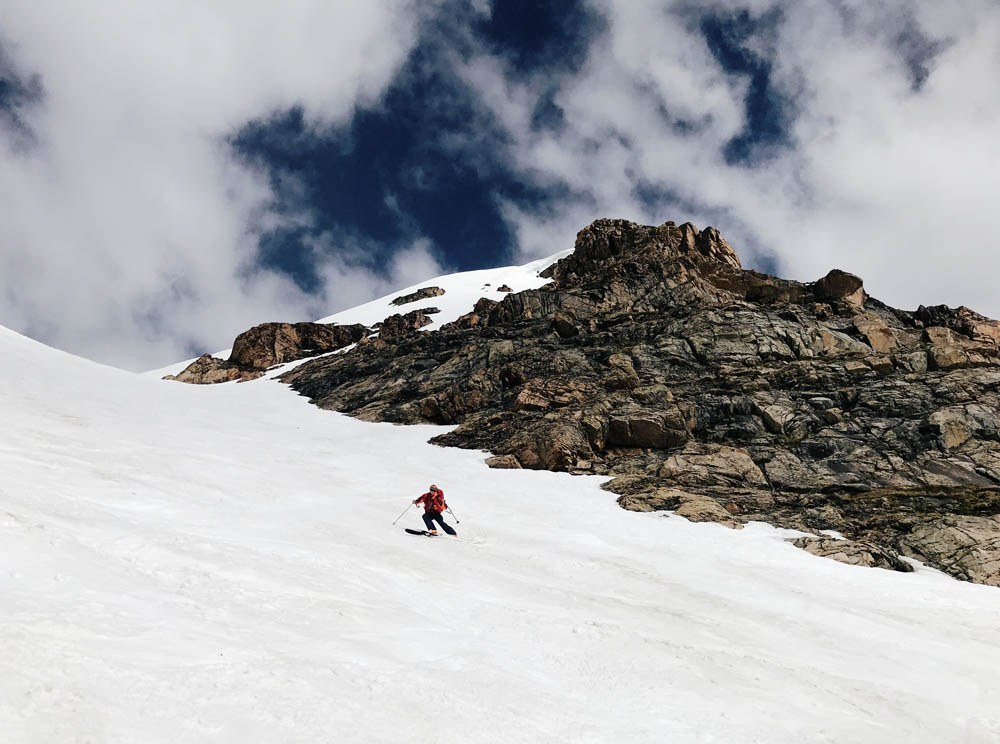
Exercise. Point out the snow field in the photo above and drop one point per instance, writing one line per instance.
(195, 564)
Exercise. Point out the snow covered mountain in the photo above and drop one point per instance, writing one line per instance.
(218, 563)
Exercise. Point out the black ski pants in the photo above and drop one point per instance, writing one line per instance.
(434, 516)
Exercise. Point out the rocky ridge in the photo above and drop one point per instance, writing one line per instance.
(722, 393)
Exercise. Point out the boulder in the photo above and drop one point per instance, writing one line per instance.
(965, 546)
(695, 507)
(208, 370)
(268, 344)
(478, 317)
(399, 326)
(656, 430)
(420, 294)
(953, 427)
(839, 286)
(702, 508)
(853, 553)
(556, 447)
(776, 417)
(503, 462)
(712, 466)
(877, 333)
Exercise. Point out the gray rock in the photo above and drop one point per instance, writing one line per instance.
(712, 465)
(840, 286)
(503, 462)
(701, 508)
(967, 547)
(853, 553)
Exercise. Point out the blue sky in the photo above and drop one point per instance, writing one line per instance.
(424, 160)
(174, 176)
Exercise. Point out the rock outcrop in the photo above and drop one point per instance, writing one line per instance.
(965, 546)
(398, 326)
(420, 294)
(719, 392)
(209, 370)
(853, 553)
(268, 344)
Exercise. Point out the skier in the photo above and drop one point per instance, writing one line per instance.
(434, 504)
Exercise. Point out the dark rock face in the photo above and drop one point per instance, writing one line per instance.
(420, 294)
(718, 392)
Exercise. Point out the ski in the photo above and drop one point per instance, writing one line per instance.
(425, 533)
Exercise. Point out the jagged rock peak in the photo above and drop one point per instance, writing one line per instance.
(607, 242)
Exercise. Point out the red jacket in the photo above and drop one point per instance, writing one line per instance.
(433, 502)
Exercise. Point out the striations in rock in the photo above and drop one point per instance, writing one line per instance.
(722, 393)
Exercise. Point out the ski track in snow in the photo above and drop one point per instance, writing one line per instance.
(192, 564)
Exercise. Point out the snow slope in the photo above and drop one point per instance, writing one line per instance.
(218, 564)
(461, 291)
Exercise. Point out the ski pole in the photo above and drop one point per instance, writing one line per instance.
(457, 520)
(404, 512)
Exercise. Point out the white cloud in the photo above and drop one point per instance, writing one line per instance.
(348, 281)
(125, 229)
(895, 184)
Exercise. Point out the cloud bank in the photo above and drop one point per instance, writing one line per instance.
(814, 134)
